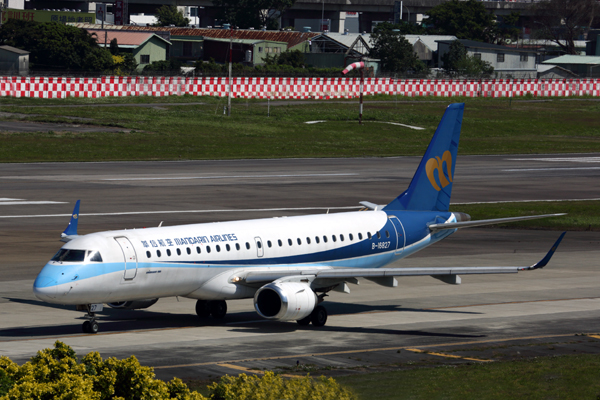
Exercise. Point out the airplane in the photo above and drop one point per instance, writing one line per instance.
(286, 264)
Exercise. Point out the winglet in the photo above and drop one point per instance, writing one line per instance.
(542, 263)
(71, 230)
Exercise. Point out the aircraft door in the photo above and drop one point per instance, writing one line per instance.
(129, 256)
(260, 251)
(400, 236)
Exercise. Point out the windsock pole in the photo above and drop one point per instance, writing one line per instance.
(360, 65)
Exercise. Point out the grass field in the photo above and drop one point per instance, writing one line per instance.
(201, 131)
(564, 377)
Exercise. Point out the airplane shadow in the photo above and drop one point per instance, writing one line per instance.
(115, 321)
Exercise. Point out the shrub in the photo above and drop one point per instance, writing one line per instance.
(57, 374)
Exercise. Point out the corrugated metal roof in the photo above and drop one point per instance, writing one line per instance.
(429, 40)
(292, 38)
(123, 38)
(13, 49)
(585, 60)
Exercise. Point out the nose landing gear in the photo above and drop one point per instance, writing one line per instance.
(91, 325)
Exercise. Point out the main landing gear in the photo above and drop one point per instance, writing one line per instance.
(318, 316)
(216, 308)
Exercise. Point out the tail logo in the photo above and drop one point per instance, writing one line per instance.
(435, 163)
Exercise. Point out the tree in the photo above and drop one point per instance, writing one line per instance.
(55, 46)
(169, 15)
(463, 19)
(564, 21)
(295, 58)
(457, 62)
(394, 51)
(251, 13)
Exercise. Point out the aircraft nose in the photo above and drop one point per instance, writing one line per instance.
(45, 287)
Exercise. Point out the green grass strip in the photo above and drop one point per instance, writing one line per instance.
(564, 377)
(581, 215)
(254, 130)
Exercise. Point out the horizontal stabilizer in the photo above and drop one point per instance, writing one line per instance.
(483, 222)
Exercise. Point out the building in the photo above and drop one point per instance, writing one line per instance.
(426, 47)
(146, 47)
(246, 51)
(583, 66)
(507, 62)
(14, 61)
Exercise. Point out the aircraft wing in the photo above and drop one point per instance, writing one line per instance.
(384, 276)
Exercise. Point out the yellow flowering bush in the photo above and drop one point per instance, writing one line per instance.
(274, 387)
(57, 374)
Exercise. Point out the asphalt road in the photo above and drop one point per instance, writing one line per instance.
(485, 318)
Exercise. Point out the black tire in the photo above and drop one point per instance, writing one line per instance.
(86, 327)
(94, 327)
(304, 321)
(319, 316)
(202, 309)
(218, 308)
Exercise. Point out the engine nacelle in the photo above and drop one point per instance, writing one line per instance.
(133, 305)
(285, 301)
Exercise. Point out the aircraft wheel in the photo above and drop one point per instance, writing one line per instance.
(94, 327)
(87, 327)
(319, 316)
(218, 308)
(202, 309)
(304, 321)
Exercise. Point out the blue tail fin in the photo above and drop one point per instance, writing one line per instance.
(71, 230)
(431, 187)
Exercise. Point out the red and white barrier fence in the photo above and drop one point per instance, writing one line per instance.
(290, 88)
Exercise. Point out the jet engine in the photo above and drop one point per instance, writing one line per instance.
(285, 301)
(133, 305)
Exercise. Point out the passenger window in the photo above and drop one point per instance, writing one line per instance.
(369, 235)
(189, 251)
(198, 249)
(290, 242)
(334, 238)
(237, 246)
(387, 234)
(359, 236)
(279, 242)
(228, 247)
(178, 252)
(158, 253)
(269, 243)
(351, 237)
(148, 254)
(341, 238)
(208, 249)
(218, 248)
(317, 239)
(169, 252)
(307, 240)
(259, 244)
(378, 235)
(247, 245)
(299, 241)
(324, 239)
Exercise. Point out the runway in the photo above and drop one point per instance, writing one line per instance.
(421, 321)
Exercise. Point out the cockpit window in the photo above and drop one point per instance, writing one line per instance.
(70, 255)
(94, 255)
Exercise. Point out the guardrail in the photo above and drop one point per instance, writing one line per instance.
(290, 88)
